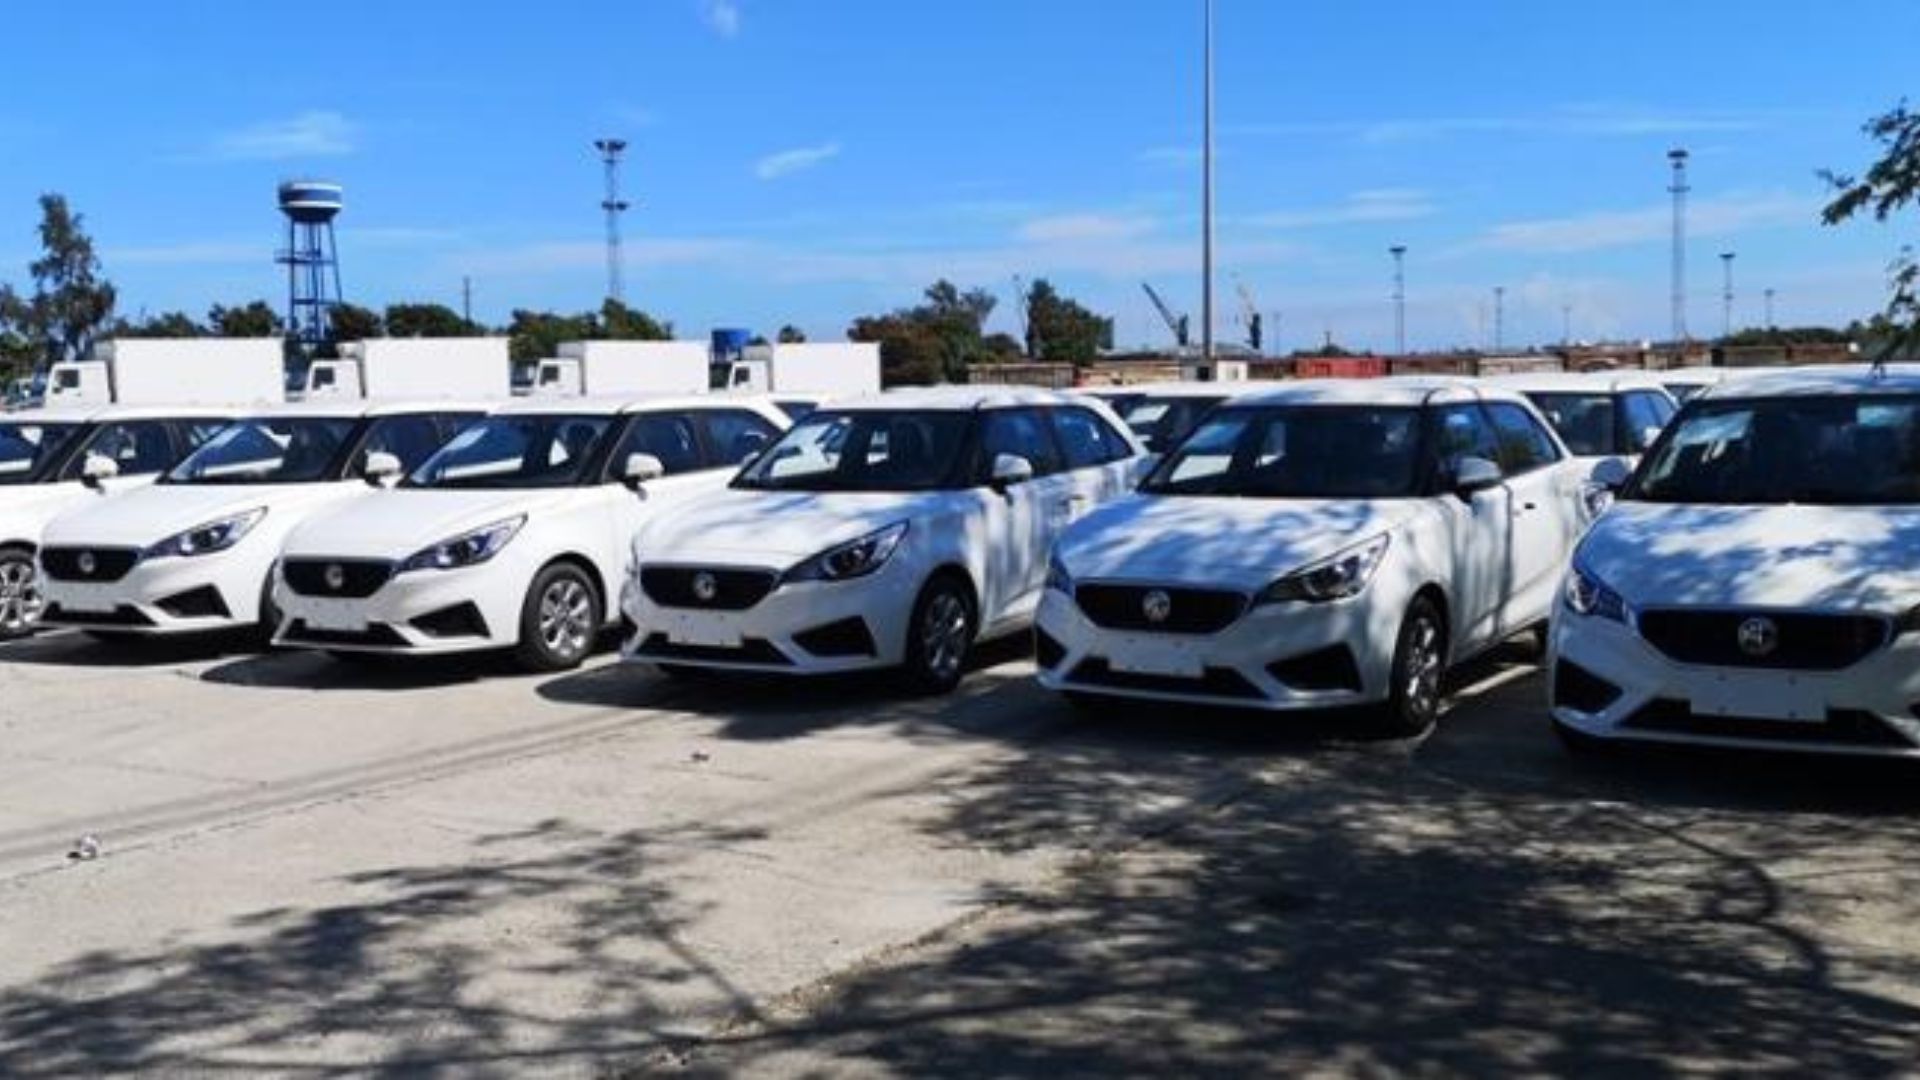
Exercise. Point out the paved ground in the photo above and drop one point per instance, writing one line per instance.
(311, 868)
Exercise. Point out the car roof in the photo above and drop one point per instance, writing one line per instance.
(1392, 390)
(618, 405)
(1225, 389)
(1826, 380)
(355, 409)
(1591, 382)
(957, 398)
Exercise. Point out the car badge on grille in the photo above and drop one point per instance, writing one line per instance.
(87, 563)
(705, 588)
(1758, 636)
(1156, 606)
(336, 576)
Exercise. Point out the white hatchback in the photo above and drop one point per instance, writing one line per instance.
(1757, 581)
(1598, 414)
(889, 531)
(514, 534)
(1325, 543)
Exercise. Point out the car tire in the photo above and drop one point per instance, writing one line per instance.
(559, 621)
(1419, 662)
(269, 623)
(940, 636)
(21, 602)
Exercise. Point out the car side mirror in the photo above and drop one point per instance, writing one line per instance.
(1610, 474)
(381, 469)
(1010, 469)
(98, 469)
(640, 468)
(1474, 474)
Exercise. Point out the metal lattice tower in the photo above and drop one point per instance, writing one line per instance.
(1399, 253)
(610, 151)
(1769, 296)
(1726, 294)
(311, 258)
(1499, 317)
(1678, 188)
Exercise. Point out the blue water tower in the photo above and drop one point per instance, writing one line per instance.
(730, 344)
(311, 258)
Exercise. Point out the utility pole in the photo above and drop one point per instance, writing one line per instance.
(1566, 325)
(1499, 317)
(1206, 199)
(1769, 297)
(466, 300)
(1726, 294)
(1399, 253)
(1678, 188)
(610, 151)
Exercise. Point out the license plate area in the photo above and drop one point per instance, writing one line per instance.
(705, 631)
(335, 616)
(1155, 656)
(1786, 697)
(91, 599)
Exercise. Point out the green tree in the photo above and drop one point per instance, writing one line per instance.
(254, 319)
(427, 320)
(911, 354)
(167, 324)
(71, 303)
(1064, 332)
(791, 335)
(622, 323)
(351, 322)
(533, 335)
(1890, 184)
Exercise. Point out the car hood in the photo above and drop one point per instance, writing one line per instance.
(25, 508)
(776, 528)
(150, 514)
(394, 524)
(1761, 556)
(1209, 540)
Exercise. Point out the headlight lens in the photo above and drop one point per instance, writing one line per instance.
(855, 558)
(206, 539)
(1335, 577)
(1057, 577)
(1586, 594)
(467, 549)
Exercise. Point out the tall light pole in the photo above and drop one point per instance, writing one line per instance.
(1678, 188)
(1399, 253)
(1499, 317)
(1206, 198)
(1769, 298)
(610, 151)
(1566, 325)
(1726, 294)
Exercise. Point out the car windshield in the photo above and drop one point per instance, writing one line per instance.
(867, 450)
(532, 451)
(1824, 451)
(1584, 420)
(1685, 391)
(268, 450)
(1163, 421)
(1297, 452)
(29, 451)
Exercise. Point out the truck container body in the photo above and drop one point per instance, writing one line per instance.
(820, 369)
(602, 368)
(471, 368)
(172, 371)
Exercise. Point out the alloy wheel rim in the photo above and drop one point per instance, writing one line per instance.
(20, 600)
(1422, 688)
(566, 618)
(943, 633)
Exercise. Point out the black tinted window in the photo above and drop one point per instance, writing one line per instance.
(734, 435)
(1086, 439)
(1645, 414)
(1584, 421)
(1462, 431)
(1022, 433)
(667, 436)
(412, 439)
(139, 449)
(1524, 443)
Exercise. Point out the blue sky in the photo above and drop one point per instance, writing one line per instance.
(809, 160)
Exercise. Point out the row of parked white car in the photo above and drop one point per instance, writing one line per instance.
(1304, 545)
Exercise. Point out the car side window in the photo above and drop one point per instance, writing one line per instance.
(1085, 439)
(1524, 443)
(734, 435)
(1022, 433)
(197, 432)
(138, 448)
(1462, 431)
(667, 436)
(1645, 414)
(412, 439)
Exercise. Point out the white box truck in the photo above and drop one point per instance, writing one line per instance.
(624, 367)
(813, 369)
(171, 371)
(463, 367)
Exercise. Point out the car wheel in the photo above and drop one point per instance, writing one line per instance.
(269, 623)
(560, 620)
(1419, 661)
(20, 600)
(939, 636)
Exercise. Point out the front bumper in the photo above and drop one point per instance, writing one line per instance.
(1607, 682)
(165, 596)
(422, 613)
(1279, 658)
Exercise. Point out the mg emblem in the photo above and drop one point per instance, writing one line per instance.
(1758, 636)
(87, 563)
(1156, 606)
(705, 588)
(336, 576)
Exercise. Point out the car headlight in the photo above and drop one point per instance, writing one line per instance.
(1335, 577)
(1596, 498)
(206, 539)
(467, 549)
(855, 558)
(1057, 577)
(1586, 594)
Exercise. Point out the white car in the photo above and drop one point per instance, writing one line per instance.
(891, 531)
(1686, 383)
(1598, 414)
(1324, 543)
(1161, 414)
(1757, 581)
(52, 460)
(193, 551)
(513, 535)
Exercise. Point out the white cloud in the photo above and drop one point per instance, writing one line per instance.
(315, 133)
(1622, 228)
(798, 159)
(721, 16)
(1380, 204)
(1085, 227)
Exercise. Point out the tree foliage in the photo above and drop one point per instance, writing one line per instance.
(932, 342)
(253, 319)
(167, 324)
(1063, 332)
(71, 303)
(426, 320)
(1890, 184)
(533, 335)
(618, 322)
(351, 322)
(791, 335)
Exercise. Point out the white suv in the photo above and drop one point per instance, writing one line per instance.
(888, 531)
(513, 535)
(1326, 543)
(1757, 581)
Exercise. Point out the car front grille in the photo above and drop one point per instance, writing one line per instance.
(1180, 610)
(754, 651)
(707, 588)
(351, 579)
(1214, 682)
(1799, 641)
(1842, 727)
(87, 564)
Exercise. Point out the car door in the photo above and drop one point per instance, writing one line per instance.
(1098, 460)
(1546, 512)
(1028, 516)
(1479, 527)
(140, 449)
(689, 469)
(1643, 414)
